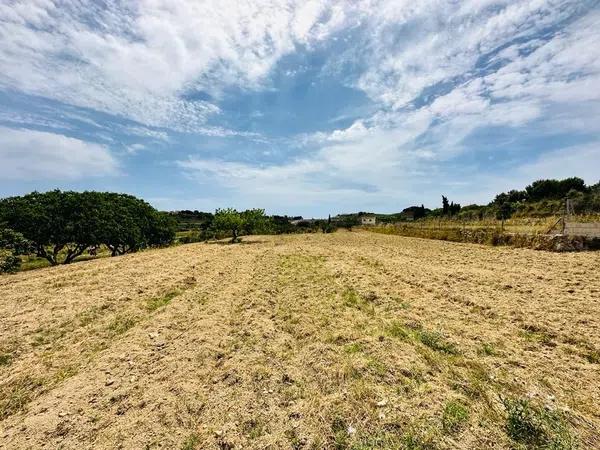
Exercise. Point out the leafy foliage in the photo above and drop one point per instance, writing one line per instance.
(69, 222)
(12, 244)
(236, 223)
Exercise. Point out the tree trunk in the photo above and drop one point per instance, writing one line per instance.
(42, 253)
(235, 236)
(72, 254)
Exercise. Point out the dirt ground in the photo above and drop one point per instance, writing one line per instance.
(348, 340)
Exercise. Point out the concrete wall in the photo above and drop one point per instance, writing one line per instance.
(591, 229)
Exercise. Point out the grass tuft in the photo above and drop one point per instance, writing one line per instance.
(121, 324)
(16, 394)
(487, 349)
(437, 341)
(397, 330)
(455, 416)
(537, 427)
(353, 348)
(158, 302)
(5, 359)
(191, 442)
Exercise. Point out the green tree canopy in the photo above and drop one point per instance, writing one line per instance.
(237, 223)
(69, 222)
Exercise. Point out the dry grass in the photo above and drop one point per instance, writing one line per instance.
(350, 340)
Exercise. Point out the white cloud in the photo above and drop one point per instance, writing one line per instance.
(436, 71)
(34, 155)
(140, 59)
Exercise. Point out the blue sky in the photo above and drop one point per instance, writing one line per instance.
(299, 107)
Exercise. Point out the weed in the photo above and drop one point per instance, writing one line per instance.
(436, 341)
(487, 349)
(121, 324)
(339, 428)
(16, 394)
(5, 359)
(355, 347)
(191, 442)
(537, 427)
(397, 330)
(455, 416)
(158, 302)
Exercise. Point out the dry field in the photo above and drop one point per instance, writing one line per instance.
(349, 340)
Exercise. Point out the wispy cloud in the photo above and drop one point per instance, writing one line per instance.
(145, 60)
(438, 80)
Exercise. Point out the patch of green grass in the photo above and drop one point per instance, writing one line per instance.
(88, 316)
(535, 334)
(487, 349)
(158, 302)
(432, 339)
(191, 442)
(5, 359)
(64, 372)
(353, 348)
(397, 330)
(16, 394)
(378, 440)
(121, 324)
(536, 427)
(47, 336)
(376, 367)
(341, 438)
(418, 440)
(455, 416)
(436, 341)
(353, 299)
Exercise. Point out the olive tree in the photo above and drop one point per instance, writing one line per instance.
(235, 223)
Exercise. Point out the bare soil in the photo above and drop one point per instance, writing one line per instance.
(348, 340)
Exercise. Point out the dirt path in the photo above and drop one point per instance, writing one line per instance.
(350, 340)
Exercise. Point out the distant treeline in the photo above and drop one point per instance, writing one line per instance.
(541, 198)
(60, 226)
(201, 226)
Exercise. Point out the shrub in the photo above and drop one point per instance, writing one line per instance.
(9, 263)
